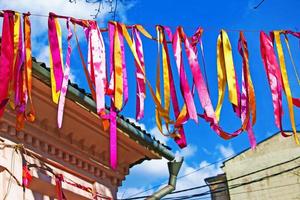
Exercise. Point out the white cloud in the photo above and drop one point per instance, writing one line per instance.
(188, 151)
(226, 151)
(154, 169)
(193, 175)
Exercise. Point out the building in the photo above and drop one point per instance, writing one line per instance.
(75, 156)
(271, 171)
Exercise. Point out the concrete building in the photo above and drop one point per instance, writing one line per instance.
(271, 171)
(79, 151)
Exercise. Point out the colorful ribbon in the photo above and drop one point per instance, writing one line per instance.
(274, 77)
(30, 116)
(209, 113)
(58, 185)
(6, 57)
(26, 176)
(64, 86)
(285, 81)
(226, 73)
(19, 80)
(56, 66)
(140, 76)
(248, 102)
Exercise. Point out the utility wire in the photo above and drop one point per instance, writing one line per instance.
(171, 26)
(183, 176)
(238, 193)
(232, 186)
(255, 7)
(242, 176)
(257, 190)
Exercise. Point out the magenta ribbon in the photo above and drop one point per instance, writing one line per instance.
(140, 77)
(55, 51)
(6, 58)
(209, 113)
(184, 86)
(65, 81)
(274, 77)
(110, 91)
(20, 101)
(244, 102)
(124, 71)
(181, 141)
(113, 137)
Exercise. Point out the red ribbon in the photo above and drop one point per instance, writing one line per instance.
(26, 176)
(58, 185)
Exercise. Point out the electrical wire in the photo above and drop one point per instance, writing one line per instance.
(185, 175)
(242, 176)
(257, 190)
(233, 186)
(171, 26)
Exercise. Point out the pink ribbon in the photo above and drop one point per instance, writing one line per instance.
(244, 103)
(97, 65)
(18, 83)
(64, 86)
(6, 57)
(274, 77)
(209, 113)
(181, 141)
(54, 48)
(125, 81)
(140, 77)
(184, 86)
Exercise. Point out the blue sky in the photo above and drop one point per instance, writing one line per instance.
(204, 146)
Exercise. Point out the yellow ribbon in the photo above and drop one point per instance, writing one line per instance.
(291, 57)
(166, 80)
(226, 72)
(285, 80)
(157, 88)
(128, 39)
(161, 112)
(118, 95)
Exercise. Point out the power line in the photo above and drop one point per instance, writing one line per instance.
(255, 7)
(242, 176)
(185, 175)
(171, 26)
(233, 186)
(237, 193)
